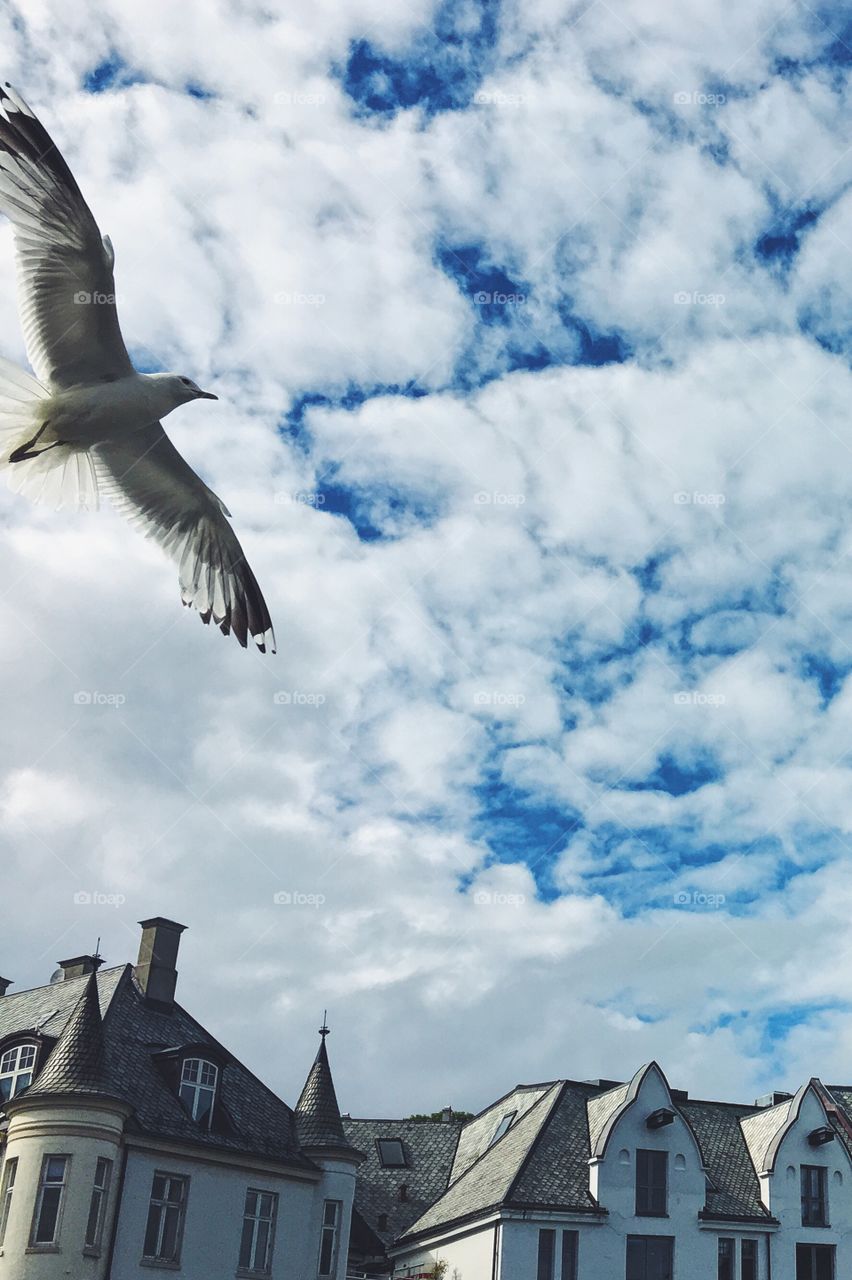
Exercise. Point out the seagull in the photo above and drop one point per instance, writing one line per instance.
(88, 423)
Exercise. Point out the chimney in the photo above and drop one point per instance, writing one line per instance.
(79, 966)
(5, 984)
(155, 968)
(447, 1115)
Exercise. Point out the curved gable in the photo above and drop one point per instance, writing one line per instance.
(649, 1087)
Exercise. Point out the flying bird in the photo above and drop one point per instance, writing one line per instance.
(88, 423)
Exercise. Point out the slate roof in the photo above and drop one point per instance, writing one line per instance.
(318, 1122)
(250, 1118)
(735, 1188)
(429, 1147)
(78, 1064)
(760, 1127)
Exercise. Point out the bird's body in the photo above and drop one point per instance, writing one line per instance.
(89, 422)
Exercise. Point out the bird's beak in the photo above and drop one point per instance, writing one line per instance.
(207, 395)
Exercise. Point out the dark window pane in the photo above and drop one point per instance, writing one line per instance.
(49, 1215)
(152, 1231)
(651, 1182)
(170, 1233)
(546, 1254)
(569, 1255)
(725, 1269)
(748, 1260)
(650, 1257)
(246, 1242)
(326, 1253)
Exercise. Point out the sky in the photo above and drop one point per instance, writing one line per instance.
(531, 325)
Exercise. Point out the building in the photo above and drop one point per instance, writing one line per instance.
(602, 1180)
(131, 1140)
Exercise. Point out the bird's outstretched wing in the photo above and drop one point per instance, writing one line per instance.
(146, 479)
(65, 280)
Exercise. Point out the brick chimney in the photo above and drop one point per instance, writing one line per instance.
(79, 966)
(5, 984)
(155, 968)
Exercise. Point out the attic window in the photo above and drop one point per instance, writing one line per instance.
(198, 1089)
(16, 1070)
(391, 1153)
(503, 1127)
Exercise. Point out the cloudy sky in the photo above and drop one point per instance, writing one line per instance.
(531, 325)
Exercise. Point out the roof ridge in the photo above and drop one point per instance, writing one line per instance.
(558, 1096)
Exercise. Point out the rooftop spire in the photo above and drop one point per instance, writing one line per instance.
(77, 1063)
(317, 1113)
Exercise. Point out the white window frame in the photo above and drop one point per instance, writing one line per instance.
(99, 1198)
(334, 1228)
(249, 1269)
(11, 1069)
(7, 1187)
(163, 1204)
(191, 1080)
(45, 1184)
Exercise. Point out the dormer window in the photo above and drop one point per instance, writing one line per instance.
(198, 1089)
(16, 1070)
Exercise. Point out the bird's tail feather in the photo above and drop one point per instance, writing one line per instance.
(60, 475)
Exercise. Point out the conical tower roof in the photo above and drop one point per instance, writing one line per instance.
(77, 1063)
(317, 1113)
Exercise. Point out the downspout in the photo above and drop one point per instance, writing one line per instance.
(113, 1235)
(768, 1238)
(494, 1255)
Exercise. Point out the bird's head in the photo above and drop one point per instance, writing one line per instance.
(173, 389)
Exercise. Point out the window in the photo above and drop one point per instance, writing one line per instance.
(391, 1153)
(10, 1168)
(48, 1206)
(198, 1089)
(165, 1218)
(258, 1232)
(330, 1231)
(570, 1241)
(546, 1254)
(748, 1260)
(16, 1070)
(503, 1127)
(650, 1257)
(814, 1262)
(651, 1182)
(814, 1196)
(725, 1268)
(97, 1207)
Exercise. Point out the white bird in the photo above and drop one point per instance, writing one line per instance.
(88, 421)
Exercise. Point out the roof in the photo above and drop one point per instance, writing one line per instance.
(318, 1120)
(250, 1118)
(78, 1063)
(429, 1147)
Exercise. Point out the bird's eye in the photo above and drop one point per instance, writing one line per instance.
(186, 382)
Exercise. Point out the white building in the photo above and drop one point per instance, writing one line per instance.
(597, 1180)
(132, 1141)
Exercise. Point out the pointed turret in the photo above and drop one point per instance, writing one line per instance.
(317, 1114)
(77, 1064)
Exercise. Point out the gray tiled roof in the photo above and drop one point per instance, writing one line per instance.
(477, 1133)
(760, 1127)
(602, 1108)
(78, 1061)
(735, 1189)
(318, 1120)
(488, 1182)
(556, 1174)
(252, 1119)
(429, 1147)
